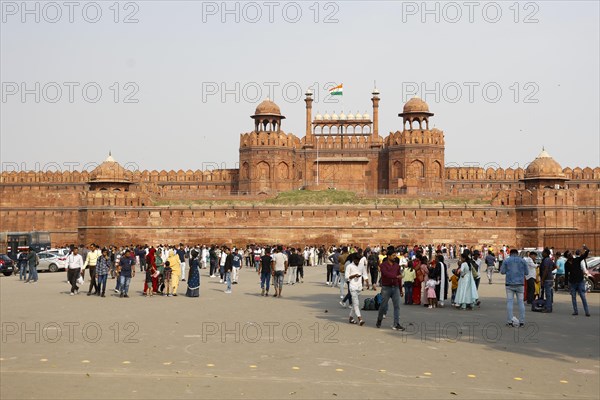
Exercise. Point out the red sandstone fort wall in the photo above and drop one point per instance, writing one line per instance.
(360, 225)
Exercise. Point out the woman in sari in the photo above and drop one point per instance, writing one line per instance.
(425, 270)
(416, 263)
(176, 270)
(193, 280)
(466, 294)
(160, 267)
(151, 265)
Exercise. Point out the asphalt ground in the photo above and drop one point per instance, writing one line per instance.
(300, 346)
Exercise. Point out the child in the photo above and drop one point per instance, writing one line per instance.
(118, 276)
(167, 278)
(149, 273)
(454, 280)
(408, 279)
(431, 296)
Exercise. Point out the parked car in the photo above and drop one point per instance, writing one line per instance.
(593, 282)
(525, 253)
(51, 262)
(7, 266)
(59, 252)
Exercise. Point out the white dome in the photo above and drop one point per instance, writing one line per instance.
(335, 116)
(350, 116)
(342, 115)
(326, 116)
(318, 117)
(366, 116)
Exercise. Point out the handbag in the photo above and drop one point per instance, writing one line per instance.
(80, 280)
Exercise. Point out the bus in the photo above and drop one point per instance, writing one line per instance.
(11, 241)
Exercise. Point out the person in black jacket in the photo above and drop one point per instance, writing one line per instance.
(575, 273)
(228, 268)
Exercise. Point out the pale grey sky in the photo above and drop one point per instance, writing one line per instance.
(179, 57)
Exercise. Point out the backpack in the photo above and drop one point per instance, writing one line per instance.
(378, 299)
(369, 304)
(475, 270)
(538, 305)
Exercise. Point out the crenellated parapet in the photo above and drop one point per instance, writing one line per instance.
(484, 174)
(535, 198)
(44, 177)
(266, 139)
(406, 137)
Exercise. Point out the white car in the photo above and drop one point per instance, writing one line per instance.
(59, 252)
(51, 262)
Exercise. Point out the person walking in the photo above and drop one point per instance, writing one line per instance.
(213, 261)
(408, 277)
(238, 257)
(466, 294)
(102, 268)
(490, 263)
(547, 279)
(334, 258)
(22, 264)
(32, 262)
(90, 263)
(74, 266)
(515, 269)
(227, 268)
(531, 276)
(391, 280)
(181, 252)
(174, 262)
(279, 266)
(264, 272)
(575, 273)
(355, 275)
(193, 280)
(295, 260)
(127, 264)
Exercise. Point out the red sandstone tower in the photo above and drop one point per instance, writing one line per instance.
(267, 154)
(416, 155)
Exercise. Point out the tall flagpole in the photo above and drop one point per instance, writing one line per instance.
(317, 139)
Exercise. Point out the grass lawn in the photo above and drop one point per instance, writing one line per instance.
(323, 197)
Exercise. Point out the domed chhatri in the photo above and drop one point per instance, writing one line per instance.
(267, 117)
(110, 171)
(544, 167)
(267, 107)
(415, 105)
(415, 114)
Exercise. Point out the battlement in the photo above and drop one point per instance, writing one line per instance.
(267, 138)
(546, 197)
(433, 136)
(510, 174)
(82, 177)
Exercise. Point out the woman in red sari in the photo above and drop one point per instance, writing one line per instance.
(418, 279)
(151, 264)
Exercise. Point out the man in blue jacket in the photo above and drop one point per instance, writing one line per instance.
(515, 269)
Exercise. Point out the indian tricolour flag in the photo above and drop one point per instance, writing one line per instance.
(336, 90)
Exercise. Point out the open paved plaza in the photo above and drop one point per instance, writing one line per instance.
(243, 345)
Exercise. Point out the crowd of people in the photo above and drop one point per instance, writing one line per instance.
(424, 275)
